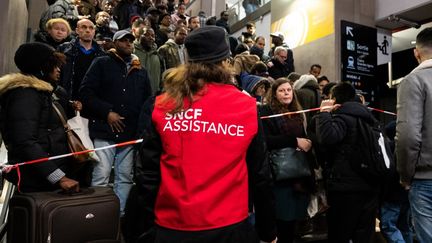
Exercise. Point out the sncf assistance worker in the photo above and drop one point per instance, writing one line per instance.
(195, 175)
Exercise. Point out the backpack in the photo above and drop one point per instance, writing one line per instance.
(374, 160)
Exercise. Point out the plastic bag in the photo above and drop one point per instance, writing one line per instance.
(79, 125)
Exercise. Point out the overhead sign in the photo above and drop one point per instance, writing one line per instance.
(359, 55)
(384, 46)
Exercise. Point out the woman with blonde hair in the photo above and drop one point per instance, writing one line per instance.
(56, 32)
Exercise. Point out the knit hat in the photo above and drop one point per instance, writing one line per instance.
(30, 57)
(207, 45)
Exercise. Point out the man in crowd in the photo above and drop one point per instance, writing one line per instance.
(173, 52)
(113, 90)
(352, 198)
(223, 21)
(414, 136)
(80, 53)
(278, 65)
(277, 39)
(194, 23)
(103, 30)
(146, 50)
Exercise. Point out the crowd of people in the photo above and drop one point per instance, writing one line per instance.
(195, 94)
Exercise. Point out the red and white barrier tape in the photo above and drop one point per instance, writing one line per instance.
(318, 108)
(8, 168)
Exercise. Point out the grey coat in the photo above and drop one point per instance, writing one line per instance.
(414, 124)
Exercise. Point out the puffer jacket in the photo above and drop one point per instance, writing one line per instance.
(337, 134)
(31, 130)
(60, 9)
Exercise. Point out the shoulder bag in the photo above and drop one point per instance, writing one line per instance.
(74, 142)
(289, 163)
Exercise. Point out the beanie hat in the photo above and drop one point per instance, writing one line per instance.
(207, 45)
(30, 57)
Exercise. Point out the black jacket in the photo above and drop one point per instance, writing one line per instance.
(68, 72)
(337, 135)
(109, 86)
(60, 9)
(44, 37)
(281, 70)
(31, 130)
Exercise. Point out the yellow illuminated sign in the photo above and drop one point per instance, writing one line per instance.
(306, 21)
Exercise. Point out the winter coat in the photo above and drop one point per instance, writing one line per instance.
(181, 173)
(284, 190)
(280, 70)
(337, 134)
(109, 86)
(151, 61)
(308, 96)
(60, 9)
(413, 135)
(169, 54)
(31, 130)
(244, 61)
(44, 37)
(68, 73)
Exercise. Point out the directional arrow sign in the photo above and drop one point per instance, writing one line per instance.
(349, 31)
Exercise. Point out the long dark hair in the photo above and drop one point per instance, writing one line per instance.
(278, 107)
(187, 80)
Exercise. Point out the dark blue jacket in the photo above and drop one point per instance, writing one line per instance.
(109, 86)
(71, 50)
(337, 135)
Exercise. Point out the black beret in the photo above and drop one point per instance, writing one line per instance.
(30, 57)
(207, 44)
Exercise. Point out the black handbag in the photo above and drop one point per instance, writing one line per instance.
(289, 163)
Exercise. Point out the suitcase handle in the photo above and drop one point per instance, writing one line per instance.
(82, 191)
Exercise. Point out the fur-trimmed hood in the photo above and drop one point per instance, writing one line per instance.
(19, 80)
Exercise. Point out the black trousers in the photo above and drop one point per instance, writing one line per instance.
(242, 232)
(351, 216)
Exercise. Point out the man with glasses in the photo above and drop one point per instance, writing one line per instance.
(278, 67)
(113, 90)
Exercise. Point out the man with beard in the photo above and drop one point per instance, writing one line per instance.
(113, 90)
(173, 52)
(145, 49)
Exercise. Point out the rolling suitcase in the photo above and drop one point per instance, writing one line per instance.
(54, 217)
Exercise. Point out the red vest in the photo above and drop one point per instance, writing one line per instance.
(204, 178)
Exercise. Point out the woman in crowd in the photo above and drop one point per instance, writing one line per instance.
(56, 32)
(196, 191)
(292, 195)
(30, 127)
